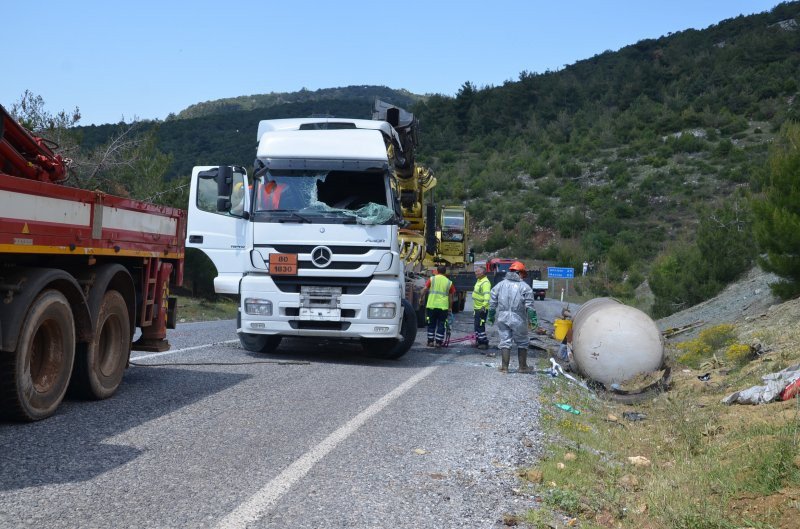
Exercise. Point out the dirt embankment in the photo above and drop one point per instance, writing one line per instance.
(744, 303)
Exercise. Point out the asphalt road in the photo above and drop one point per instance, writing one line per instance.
(314, 436)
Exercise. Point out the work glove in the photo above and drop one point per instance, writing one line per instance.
(533, 320)
(491, 316)
(450, 318)
(481, 313)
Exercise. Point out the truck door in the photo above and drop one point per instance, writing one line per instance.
(219, 205)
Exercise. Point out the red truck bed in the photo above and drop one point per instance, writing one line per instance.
(43, 218)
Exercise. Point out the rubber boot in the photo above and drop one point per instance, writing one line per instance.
(522, 354)
(506, 358)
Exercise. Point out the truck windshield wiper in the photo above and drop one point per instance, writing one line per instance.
(294, 216)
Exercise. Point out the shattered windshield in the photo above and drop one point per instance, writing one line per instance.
(292, 195)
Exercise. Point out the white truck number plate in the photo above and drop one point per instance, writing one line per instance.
(320, 314)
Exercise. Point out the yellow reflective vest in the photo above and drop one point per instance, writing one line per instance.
(480, 293)
(439, 293)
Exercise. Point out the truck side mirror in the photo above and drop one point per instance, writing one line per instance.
(224, 188)
(471, 255)
(224, 181)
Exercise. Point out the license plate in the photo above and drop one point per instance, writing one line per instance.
(320, 314)
(283, 264)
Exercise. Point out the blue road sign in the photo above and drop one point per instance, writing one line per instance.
(556, 272)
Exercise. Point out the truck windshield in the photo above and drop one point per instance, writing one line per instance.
(453, 225)
(283, 195)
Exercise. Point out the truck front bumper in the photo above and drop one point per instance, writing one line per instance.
(351, 320)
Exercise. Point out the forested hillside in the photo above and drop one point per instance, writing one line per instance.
(225, 134)
(636, 159)
(402, 98)
(626, 158)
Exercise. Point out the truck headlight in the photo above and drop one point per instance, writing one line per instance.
(258, 307)
(382, 311)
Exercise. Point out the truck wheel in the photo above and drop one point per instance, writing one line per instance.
(34, 378)
(389, 348)
(421, 318)
(100, 365)
(260, 343)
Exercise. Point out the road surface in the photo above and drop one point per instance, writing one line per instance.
(314, 436)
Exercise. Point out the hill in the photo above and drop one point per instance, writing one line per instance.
(224, 131)
(402, 98)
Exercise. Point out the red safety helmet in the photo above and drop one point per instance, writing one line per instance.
(517, 266)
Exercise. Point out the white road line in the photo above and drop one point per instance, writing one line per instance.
(260, 503)
(174, 351)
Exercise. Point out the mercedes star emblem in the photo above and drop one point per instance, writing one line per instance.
(321, 256)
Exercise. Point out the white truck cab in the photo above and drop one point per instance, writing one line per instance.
(309, 241)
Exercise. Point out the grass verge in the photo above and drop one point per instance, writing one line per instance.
(200, 309)
(692, 463)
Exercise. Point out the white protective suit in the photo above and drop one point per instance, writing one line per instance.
(511, 298)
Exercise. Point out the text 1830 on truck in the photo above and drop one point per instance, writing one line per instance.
(79, 272)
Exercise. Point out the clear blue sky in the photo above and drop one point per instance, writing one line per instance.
(146, 59)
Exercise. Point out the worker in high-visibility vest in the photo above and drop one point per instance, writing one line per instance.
(480, 305)
(438, 308)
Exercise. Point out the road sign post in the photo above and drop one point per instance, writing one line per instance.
(558, 272)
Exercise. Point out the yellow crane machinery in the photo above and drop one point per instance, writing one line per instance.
(427, 239)
(451, 249)
(412, 183)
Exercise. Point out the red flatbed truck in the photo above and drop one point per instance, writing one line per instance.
(79, 272)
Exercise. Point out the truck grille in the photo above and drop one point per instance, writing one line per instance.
(335, 265)
(306, 248)
(354, 285)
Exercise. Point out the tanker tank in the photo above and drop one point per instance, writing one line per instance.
(612, 342)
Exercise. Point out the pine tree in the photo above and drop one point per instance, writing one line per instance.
(777, 213)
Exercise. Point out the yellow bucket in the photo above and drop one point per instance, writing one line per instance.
(561, 328)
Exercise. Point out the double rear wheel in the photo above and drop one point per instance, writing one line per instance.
(99, 365)
(34, 378)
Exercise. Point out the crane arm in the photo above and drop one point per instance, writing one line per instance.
(27, 156)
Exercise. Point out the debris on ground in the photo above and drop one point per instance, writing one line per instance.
(674, 331)
(773, 387)
(634, 416)
(643, 383)
(639, 461)
(567, 407)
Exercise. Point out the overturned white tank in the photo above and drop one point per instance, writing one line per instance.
(612, 342)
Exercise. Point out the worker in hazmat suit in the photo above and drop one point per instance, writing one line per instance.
(511, 305)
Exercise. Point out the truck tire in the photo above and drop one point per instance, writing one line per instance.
(34, 378)
(100, 365)
(389, 348)
(422, 320)
(459, 303)
(260, 343)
